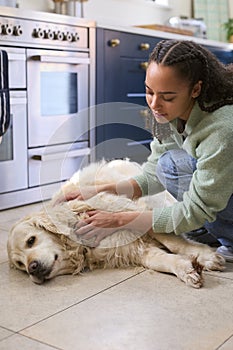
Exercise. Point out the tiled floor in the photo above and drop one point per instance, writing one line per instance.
(129, 309)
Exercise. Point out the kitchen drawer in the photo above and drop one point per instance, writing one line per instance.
(56, 163)
(131, 45)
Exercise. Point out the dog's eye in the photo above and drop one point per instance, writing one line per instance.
(31, 241)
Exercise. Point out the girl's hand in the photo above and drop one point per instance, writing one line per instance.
(82, 193)
(101, 224)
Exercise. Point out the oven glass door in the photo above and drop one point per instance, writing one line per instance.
(57, 97)
(13, 149)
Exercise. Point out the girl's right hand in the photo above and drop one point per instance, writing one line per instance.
(82, 193)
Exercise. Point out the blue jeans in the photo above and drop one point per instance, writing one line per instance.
(175, 170)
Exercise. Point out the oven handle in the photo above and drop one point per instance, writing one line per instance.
(61, 59)
(61, 155)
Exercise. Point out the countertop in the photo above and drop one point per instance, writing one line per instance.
(165, 35)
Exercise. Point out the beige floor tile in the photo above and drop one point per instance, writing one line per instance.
(151, 311)
(23, 303)
(3, 243)
(4, 333)
(10, 216)
(20, 342)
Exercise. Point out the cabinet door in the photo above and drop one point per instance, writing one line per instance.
(120, 95)
(225, 56)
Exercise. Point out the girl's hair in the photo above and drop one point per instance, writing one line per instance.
(194, 63)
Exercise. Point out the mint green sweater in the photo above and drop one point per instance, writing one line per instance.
(209, 140)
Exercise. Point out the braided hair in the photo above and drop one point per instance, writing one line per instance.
(194, 63)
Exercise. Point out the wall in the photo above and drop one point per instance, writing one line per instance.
(123, 12)
(119, 12)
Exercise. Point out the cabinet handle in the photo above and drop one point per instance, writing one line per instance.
(144, 46)
(61, 59)
(61, 155)
(114, 42)
(144, 65)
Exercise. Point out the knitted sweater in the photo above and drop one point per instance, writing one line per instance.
(209, 140)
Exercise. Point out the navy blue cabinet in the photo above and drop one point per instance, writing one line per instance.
(120, 94)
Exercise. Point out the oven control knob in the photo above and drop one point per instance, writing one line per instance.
(38, 33)
(60, 36)
(49, 35)
(7, 29)
(18, 30)
(69, 37)
(75, 37)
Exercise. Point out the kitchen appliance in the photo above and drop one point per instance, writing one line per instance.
(196, 25)
(51, 80)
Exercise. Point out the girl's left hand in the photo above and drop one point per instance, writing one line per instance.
(101, 224)
(97, 226)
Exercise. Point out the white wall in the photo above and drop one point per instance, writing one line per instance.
(123, 12)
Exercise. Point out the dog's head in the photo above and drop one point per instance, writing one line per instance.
(38, 246)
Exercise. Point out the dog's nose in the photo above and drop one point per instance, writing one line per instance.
(33, 267)
(39, 270)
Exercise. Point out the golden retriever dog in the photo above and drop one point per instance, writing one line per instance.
(44, 244)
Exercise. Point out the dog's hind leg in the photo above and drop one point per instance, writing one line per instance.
(183, 267)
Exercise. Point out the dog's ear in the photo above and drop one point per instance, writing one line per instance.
(50, 223)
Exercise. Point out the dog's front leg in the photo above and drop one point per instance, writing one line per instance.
(183, 267)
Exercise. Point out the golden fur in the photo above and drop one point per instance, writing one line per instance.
(44, 243)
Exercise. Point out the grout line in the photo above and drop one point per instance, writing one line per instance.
(221, 277)
(27, 337)
(225, 341)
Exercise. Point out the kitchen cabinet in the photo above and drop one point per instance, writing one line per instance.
(121, 58)
(121, 106)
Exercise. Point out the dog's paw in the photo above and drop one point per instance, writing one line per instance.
(193, 279)
(212, 262)
(192, 274)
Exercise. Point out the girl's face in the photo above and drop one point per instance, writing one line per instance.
(168, 96)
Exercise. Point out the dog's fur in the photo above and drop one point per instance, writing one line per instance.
(44, 243)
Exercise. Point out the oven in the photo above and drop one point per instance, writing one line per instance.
(61, 79)
(51, 80)
(58, 122)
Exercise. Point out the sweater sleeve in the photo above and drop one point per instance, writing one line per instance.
(211, 143)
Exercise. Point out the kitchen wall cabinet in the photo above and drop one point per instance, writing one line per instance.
(121, 59)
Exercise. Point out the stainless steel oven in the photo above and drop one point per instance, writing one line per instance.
(51, 78)
(58, 115)
(61, 81)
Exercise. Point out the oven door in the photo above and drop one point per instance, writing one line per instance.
(13, 149)
(57, 93)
